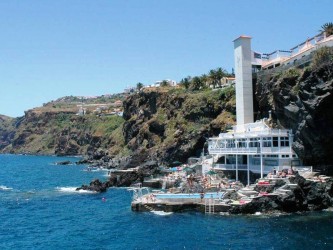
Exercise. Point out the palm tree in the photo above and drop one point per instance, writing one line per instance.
(327, 28)
(196, 83)
(205, 79)
(139, 86)
(186, 82)
(212, 77)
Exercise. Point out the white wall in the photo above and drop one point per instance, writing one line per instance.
(243, 72)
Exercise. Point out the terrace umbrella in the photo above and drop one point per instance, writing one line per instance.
(174, 169)
(211, 172)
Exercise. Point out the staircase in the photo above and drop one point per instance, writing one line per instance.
(209, 206)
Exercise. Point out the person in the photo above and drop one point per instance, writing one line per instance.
(290, 171)
(274, 171)
(153, 199)
(202, 195)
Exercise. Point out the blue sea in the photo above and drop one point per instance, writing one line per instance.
(40, 209)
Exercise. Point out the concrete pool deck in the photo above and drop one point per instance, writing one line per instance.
(176, 205)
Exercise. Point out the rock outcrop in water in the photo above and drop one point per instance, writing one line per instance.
(95, 186)
(125, 179)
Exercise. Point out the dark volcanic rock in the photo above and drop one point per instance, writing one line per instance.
(63, 163)
(95, 186)
(261, 204)
(174, 126)
(84, 161)
(270, 189)
(303, 104)
(306, 196)
(126, 179)
(294, 201)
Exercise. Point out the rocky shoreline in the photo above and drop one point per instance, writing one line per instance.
(305, 194)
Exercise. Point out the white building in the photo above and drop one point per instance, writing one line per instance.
(251, 146)
(170, 82)
(289, 57)
(228, 81)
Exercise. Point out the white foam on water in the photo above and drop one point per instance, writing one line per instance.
(73, 190)
(224, 213)
(5, 188)
(85, 191)
(162, 213)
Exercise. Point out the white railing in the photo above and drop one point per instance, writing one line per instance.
(233, 150)
(230, 166)
(252, 134)
(264, 150)
(276, 150)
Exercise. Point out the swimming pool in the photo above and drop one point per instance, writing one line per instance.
(189, 196)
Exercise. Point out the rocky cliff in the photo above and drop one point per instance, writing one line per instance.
(59, 133)
(172, 125)
(301, 99)
(7, 130)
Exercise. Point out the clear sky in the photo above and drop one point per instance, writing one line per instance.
(54, 48)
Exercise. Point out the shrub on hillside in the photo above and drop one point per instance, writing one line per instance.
(321, 56)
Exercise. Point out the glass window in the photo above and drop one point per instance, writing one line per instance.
(275, 142)
(284, 141)
(231, 143)
(271, 156)
(267, 142)
(242, 143)
(254, 143)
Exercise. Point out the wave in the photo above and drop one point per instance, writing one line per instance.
(92, 169)
(5, 188)
(162, 213)
(73, 190)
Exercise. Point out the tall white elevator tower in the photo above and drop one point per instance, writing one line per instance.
(243, 73)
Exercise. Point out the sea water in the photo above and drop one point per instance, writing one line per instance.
(40, 209)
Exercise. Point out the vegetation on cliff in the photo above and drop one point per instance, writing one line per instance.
(301, 99)
(55, 128)
(6, 131)
(165, 124)
(173, 124)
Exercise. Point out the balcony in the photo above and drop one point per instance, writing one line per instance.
(213, 150)
(249, 151)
